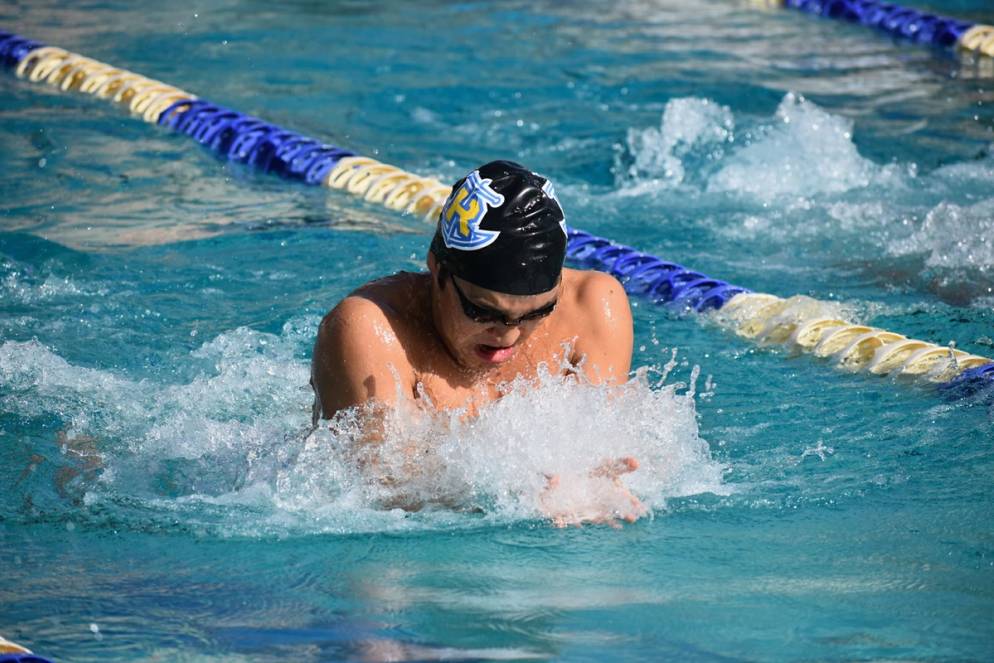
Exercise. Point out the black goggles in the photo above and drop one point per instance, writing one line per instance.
(485, 315)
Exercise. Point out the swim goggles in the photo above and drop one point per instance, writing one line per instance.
(485, 315)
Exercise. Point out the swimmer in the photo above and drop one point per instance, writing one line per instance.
(494, 305)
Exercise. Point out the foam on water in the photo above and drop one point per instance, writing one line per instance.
(802, 150)
(228, 453)
(953, 236)
(799, 176)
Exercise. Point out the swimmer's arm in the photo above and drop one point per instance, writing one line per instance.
(357, 359)
(358, 363)
(605, 343)
(605, 346)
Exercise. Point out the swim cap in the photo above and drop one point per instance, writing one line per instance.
(502, 229)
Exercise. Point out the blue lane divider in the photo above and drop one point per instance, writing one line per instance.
(13, 48)
(899, 21)
(670, 283)
(971, 382)
(22, 658)
(646, 275)
(255, 142)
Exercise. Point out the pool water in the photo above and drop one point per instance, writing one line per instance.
(158, 307)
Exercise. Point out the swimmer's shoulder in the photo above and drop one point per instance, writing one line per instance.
(595, 293)
(381, 314)
(399, 296)
(362, 348)
(599, 311)
(363, 345)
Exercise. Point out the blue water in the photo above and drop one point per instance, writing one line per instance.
(158, 306)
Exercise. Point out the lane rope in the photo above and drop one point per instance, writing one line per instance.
(903, 22)
(231, 134)
(797, 322)
(11, 652)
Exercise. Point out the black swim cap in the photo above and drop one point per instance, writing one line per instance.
(502, 229)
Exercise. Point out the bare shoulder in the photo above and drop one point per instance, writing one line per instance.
(590, 282)
(360, 353)
(369, 314)
(355, 316)
(600, 298)
(602, 319)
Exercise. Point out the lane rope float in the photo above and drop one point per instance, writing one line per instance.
(11, 652)
(68, 71)
(903, 22)
(796, 322)
(233, 135)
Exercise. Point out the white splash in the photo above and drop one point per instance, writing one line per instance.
(953, 236)
(228, 453)
(688, 126)
(803, 151)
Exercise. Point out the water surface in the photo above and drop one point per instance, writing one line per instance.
(159, 306)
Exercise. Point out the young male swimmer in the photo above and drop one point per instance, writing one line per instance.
(495, 304)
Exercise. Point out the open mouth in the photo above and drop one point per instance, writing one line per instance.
(494, 354)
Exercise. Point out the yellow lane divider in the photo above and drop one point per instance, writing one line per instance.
(800, 323)
(143, 96)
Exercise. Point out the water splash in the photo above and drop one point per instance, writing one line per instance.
(953, 236)
(805, 151)
(228, 452)
(801, 151)
(691, 130)
(797, 181)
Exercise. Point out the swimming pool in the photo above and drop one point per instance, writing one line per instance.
(158, 308)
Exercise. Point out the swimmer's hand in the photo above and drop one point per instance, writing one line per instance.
(599, 498)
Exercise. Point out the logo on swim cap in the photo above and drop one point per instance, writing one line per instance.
(464, 211)
(550, 191)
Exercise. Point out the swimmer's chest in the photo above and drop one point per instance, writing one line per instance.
(448, 387)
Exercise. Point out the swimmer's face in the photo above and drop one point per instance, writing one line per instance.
(483, 328)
